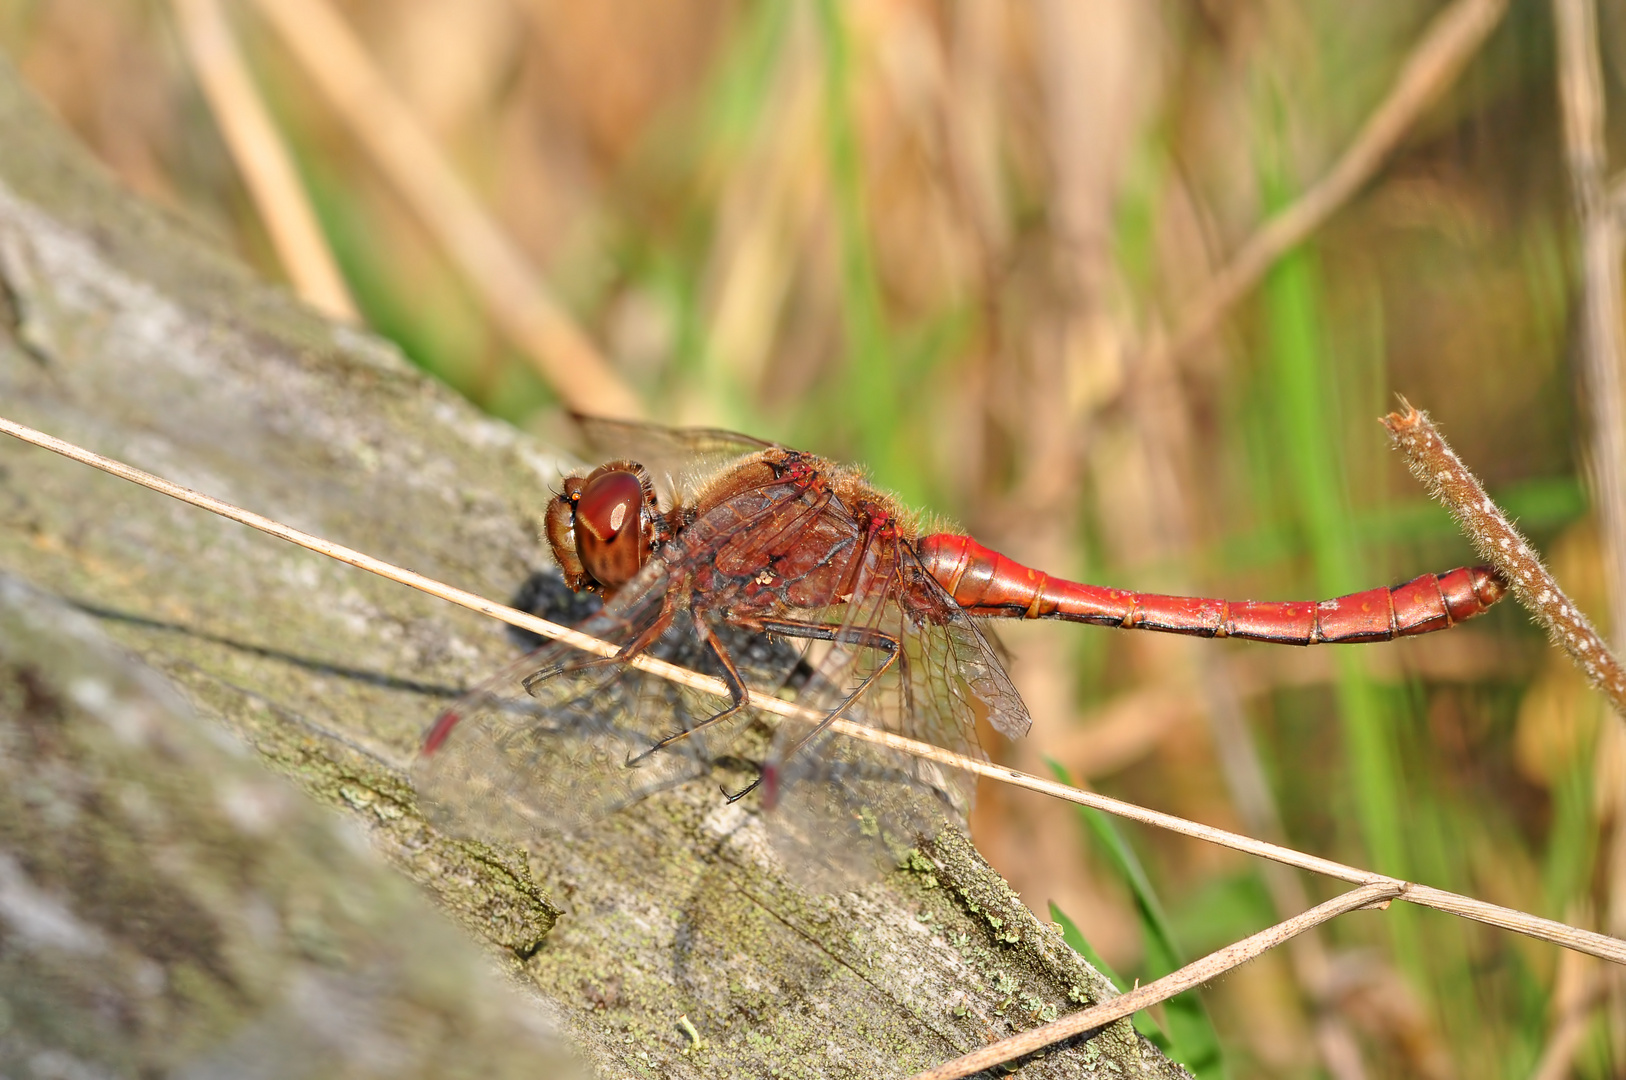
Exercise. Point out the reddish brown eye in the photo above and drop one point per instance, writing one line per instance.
(610, 527)
(609, 503)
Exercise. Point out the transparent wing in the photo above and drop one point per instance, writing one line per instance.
(847, 808)
(615, 436)
(974, 660)
(544, 745)
(679, 460)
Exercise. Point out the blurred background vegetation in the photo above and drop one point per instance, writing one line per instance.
(963, 243)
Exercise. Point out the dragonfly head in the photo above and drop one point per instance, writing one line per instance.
(603, 527)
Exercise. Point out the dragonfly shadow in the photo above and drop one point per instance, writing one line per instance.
(545, 595)
(845, 808)
(308, 663)
(563, 754)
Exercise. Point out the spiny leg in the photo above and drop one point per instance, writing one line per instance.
(841, 635)
(647, 637)
(736, 693)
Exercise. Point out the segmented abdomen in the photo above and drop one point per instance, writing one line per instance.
(988, 584)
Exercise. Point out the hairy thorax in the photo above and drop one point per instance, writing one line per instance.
(784, 529)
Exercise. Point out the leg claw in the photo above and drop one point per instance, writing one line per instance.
(736, 796)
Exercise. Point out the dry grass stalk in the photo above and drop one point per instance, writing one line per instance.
(1446, 47)
(261, 158)
(1434, 463)
(1603, 337)
(1193, 974)
(1580, 988)
(511, 289)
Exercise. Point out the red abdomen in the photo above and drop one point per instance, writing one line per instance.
(987, 584)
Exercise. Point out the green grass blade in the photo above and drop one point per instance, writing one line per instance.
(1300, 387)
(874, 387)
(1144, 1021)
(1192, 1039)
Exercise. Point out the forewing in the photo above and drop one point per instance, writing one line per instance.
(976, 663)
(679, 460)
(847, 809)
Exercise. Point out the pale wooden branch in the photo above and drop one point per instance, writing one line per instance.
(1495, 915)
(1445, 48)
(511, 289)
(261, 157)
(1192, 975)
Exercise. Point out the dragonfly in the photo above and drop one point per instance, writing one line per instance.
(789, 575)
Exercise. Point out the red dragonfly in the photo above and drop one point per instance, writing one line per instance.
(719, 550)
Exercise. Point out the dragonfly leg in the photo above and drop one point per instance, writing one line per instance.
(736, 693)
(650, 634)
(843, 635)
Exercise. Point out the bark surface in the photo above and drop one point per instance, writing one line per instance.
(126, 330)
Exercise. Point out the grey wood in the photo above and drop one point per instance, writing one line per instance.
(126, 330)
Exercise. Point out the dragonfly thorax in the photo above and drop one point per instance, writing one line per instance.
(604, 527)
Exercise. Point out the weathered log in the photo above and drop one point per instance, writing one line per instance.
(125, 330)
(168, 907)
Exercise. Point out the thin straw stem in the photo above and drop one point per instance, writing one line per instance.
(1445, 48)
(261, 158)
(1570, 937)
(1602, 333)
(510, 287)
(1193, 974)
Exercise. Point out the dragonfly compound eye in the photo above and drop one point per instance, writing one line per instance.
(610, 527)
